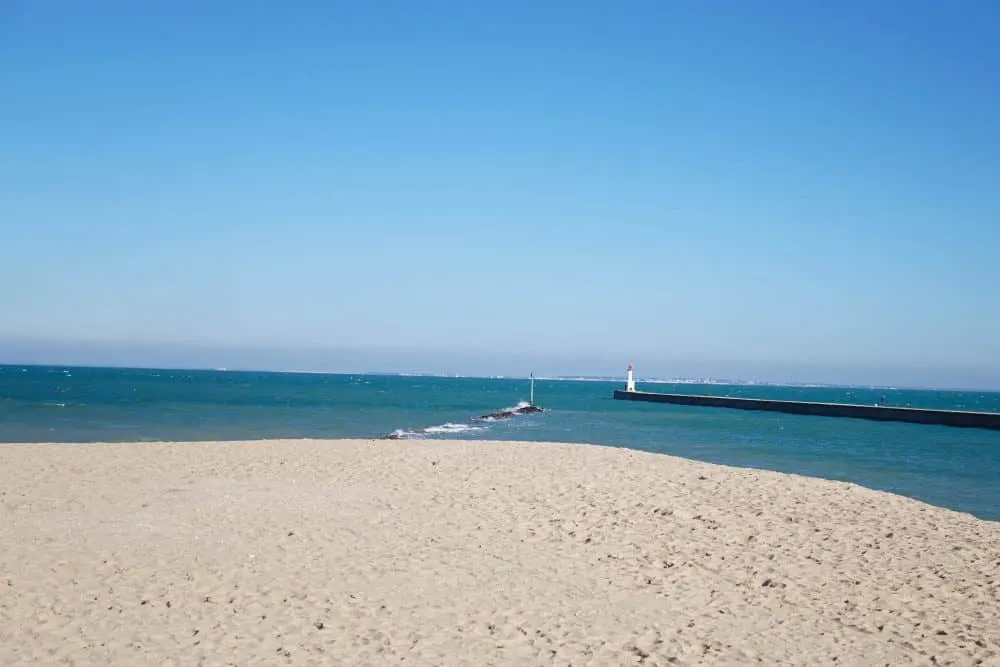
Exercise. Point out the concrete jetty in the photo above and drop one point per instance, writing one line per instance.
(960, 418)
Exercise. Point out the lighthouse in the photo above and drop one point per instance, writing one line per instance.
(629, 379)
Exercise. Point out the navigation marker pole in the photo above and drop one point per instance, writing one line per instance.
(532, 399)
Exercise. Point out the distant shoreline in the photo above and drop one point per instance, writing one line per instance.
(545, 378)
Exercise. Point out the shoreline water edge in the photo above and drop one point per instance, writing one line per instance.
(954, 468)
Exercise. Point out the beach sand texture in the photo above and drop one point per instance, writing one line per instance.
(473, 553)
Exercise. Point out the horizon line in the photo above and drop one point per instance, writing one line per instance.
(553, 378)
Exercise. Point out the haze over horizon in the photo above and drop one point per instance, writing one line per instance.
(761, 191)
(468, 363)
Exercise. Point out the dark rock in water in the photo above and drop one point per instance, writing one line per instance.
(493, 416)
(507, 414)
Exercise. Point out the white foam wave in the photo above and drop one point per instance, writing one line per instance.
(403, 434)
(452, 428)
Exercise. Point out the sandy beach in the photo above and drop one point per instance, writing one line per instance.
(472, 553)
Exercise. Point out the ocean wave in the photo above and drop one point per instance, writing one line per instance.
(440, 429)
(451, 428)
(403, 434)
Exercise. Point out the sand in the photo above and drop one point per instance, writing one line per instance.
(473, 553)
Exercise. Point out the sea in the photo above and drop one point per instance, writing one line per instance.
(950, 467)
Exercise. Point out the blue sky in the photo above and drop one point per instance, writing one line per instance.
(758, 188)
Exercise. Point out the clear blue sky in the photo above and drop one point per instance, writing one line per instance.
(750, 187)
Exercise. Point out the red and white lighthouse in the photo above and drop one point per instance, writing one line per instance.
(629, 379)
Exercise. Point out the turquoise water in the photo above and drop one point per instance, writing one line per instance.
(956, 468)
